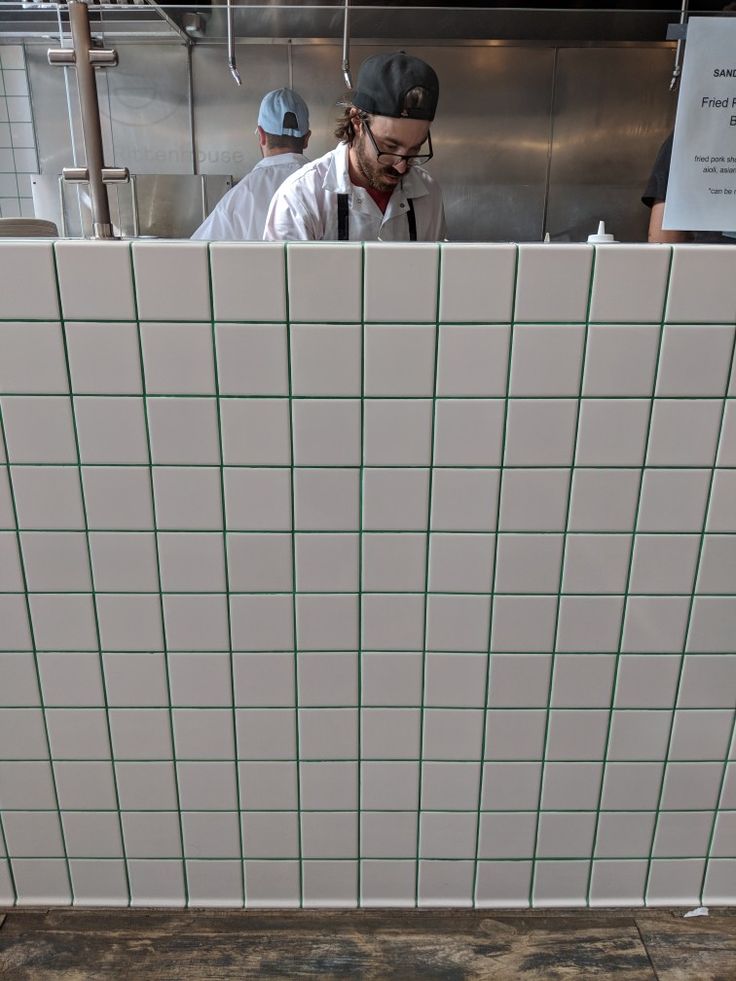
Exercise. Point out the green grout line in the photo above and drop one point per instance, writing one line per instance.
(428, 545)
(686, 636)
(494, 592)
(467, 858)
(730, 744)
(34, 649)
(343, 707)
(215, 365)
(481, 532)
(154, 509)
(5, 859)
(210, 396)
(294, 624)
(90, 569)
(563, 559)
(350, 758)
(627, 588)
(366, 810)
(361, 479)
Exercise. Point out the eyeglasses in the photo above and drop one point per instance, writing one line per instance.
(394, 158)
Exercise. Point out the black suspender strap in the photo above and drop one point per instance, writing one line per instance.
(343, 218)
(412, 219)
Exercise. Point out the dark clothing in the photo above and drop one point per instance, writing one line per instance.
(656, 190)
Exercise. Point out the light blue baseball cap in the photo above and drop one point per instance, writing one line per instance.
(280, 110)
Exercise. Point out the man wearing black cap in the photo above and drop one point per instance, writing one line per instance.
(369, 187)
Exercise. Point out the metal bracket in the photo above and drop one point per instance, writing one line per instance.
(110, 175)
(676, 32)
(98, 57)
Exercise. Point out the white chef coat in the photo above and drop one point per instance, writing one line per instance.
(241, 213)
(305, 206)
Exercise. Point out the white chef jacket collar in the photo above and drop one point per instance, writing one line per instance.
(279, 159)
(337, 179)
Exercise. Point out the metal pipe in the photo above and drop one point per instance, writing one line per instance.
(231, 63)
(677, 70)
(79, 23)
(346, 48)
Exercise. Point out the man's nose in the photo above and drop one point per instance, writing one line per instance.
(401, 166)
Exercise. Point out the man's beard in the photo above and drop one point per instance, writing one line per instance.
(371, 171)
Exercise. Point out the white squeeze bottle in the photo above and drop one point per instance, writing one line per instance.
(601, 237)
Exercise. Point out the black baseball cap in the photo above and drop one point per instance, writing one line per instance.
(384, 81)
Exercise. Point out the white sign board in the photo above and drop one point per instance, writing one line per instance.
(701, 194)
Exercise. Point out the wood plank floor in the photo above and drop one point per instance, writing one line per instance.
(441, 945)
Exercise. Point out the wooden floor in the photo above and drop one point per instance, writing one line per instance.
(429, 945)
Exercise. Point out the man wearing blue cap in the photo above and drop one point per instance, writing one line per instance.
(370, 187)
(283, 134)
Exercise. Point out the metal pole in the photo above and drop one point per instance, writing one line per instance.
(348, 78)
(677, 70)
(82, 38)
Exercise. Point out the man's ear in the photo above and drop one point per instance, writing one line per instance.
(261, 135)
(306, 138)
(355, 120)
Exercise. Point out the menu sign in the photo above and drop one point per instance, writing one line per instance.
(701, 194)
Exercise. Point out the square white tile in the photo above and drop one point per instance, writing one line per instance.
(328, 834)
(55, 561)
(596, 563)
(191, 561)
(178, 359)
(111, 430)
(62, 622)
(28, 281)
(326, 359)
(708, 681)
(458, 623)
(623, 834)
(38, 429)
(515, 735)
(673, 500)
(589, 623)
(473, 360)
(332, 884)
(388, 883)
(390, 733)
(268, 785)
(117, 498)
(604, 500)
(576, 734)
(271, 835)
(447, 835)
(16, 632)
(452, 734)
(399, 360)
(251, 359)
(391, 679)
(136, 679)
(675, 882)
(394, 562)
(528, 563)
(262, 623)
(274, 885)
(612, 433)
(207, 786)
(104, 358)
(182, 431)
(450, 786)
(326, 433)
(390, 786)
(263, 679)
(395, 499)
(655, 624)
(256, 432)
(701, 734)
(92, 834)
(258, 500)
(644, 269)
(523, 623)
(647, 681)
(259, 561)
(156, 883)
(18, 685)
(248, 280)
(95, 282)
(215, 884)
(327, 563)
(468, 433)
(722, 510)
(324, 281)
(172, 280)
(124, 561)
(620, 360)
(326, 500)
(85, 785)
(393, 622)
(141, 734)
(702, 285)
(196, 622)
(565, 835)
(400, 282)
(328, 784)
(445, 883)
(32, 359)
(546, 360)
(684, 432)
(327, 622)
(461, 563)
(639, 735)
(583, 681)
(560, 883)
(519, 680)
(130, 622)
(664, 563)
(618, 883)
(77, 734)
(328, 679)
(694, 361)
(200, 680)
(540, 433)
(397, 432)
(266, 735)
(210, 835)
(571, 786)
(503, 884)
(534, 500)
(466, 263)
(553, 283)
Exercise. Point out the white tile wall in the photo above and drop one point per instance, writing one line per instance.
(322, 587)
